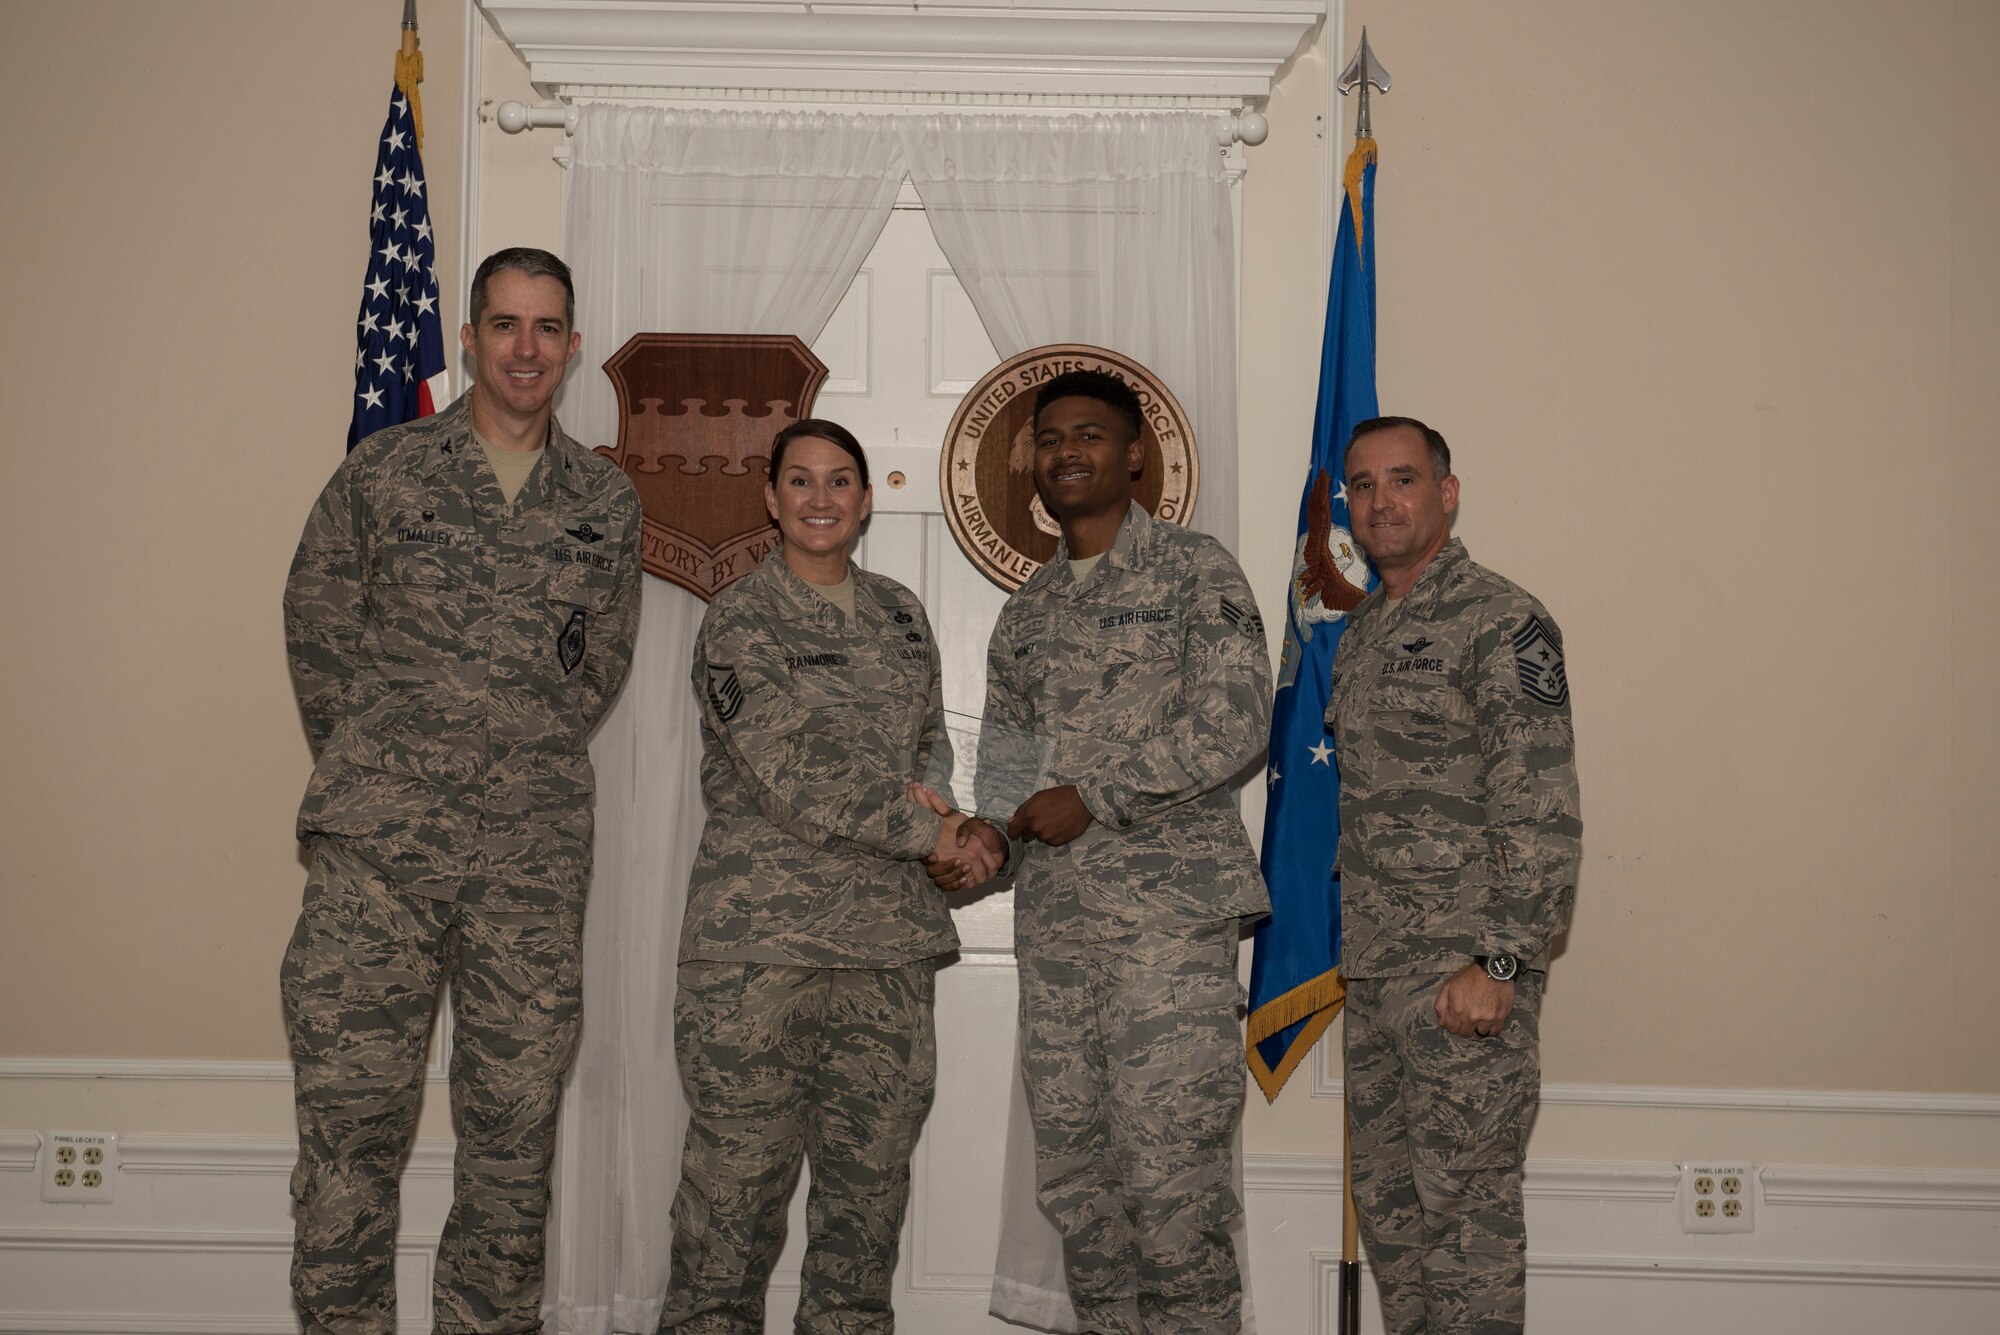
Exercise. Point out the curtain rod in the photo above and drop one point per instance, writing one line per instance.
(1243, 125)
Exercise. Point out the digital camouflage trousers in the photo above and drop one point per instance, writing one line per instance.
(1440, 1126)
(360, 983)
(784, 1063)
(1132, 1054)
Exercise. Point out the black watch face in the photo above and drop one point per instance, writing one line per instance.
(1500, 968)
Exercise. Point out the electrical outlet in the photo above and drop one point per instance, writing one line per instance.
(1718, 1198)
(78, 1167)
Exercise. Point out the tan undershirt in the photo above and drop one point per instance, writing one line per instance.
(1080, 570)
(512, 467)
(841, 595)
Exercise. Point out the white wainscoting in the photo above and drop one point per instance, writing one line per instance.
(198, 1239)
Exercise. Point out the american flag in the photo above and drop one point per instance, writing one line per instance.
(399, 352)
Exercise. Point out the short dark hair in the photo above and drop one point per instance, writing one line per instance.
(819, 428)
(530, 261)
(1433, 441)
(1106, 388)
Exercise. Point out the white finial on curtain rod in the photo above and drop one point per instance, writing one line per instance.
(1247, 126)
(513, 117)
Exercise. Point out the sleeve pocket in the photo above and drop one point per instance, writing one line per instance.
(1395, 844)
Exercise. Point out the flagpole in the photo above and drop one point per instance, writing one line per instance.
(1364, 69)
(1350, 1232)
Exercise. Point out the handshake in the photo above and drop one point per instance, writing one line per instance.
(970, 850)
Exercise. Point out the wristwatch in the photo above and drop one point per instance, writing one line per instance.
(1500, 968)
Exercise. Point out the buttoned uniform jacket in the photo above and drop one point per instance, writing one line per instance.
(1148, 687)
(1460, 827)
(452, 652)
(813, 728)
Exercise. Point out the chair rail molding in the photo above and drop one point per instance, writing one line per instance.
(1137, 48)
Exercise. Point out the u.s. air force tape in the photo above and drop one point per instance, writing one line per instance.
(724, 691)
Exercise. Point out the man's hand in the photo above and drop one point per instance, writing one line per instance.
(1055, 816)
(968, 852)
(1472, 1005)
(925, 797)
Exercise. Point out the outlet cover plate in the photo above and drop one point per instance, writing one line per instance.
(78, 1167)
(1718, 1196)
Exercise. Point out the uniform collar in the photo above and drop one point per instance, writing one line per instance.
(1432, 580)
(454, 453)
(1440, 573)
(567, 458)
(1128, 551)
(800, 600)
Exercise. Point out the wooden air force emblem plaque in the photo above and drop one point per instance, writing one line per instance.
(696, 413)
(986, 473)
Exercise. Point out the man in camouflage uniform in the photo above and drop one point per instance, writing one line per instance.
(1458, 856)
(1127, 683)
(459, 615)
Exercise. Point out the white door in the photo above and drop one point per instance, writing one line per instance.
(901, 349)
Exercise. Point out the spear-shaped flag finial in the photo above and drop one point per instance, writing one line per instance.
(1361, 71)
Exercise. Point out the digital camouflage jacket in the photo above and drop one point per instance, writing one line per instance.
(451, 654)
(1460, 831)
(1148, 686)
(812, 731)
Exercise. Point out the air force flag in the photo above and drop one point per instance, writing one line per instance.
(1294, 989)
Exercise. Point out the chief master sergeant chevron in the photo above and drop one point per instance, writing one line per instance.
(459, 616)
(1458, 855)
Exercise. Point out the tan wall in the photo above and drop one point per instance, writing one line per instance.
(1704, 296)
(186, 224)
(1711, 332)
(1685, 300)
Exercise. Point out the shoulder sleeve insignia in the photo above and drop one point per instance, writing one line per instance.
(569, 644)
(1539, 657)
(1250, 623)
(725, 693)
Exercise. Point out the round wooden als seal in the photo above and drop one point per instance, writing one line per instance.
(986, 473)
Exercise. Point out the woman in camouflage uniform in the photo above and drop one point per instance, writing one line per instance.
(803, 1020)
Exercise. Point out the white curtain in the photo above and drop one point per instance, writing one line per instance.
(1113, 230)
(1118, 231)
(699, 222)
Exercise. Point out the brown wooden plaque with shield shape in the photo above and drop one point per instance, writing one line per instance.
(696, 413)
(987, 476)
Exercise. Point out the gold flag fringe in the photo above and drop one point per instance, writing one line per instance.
(410, 73)
(1313, 1003)
(1358, 163)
